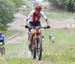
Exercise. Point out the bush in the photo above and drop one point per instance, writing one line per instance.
(7, 9)
(68, 5)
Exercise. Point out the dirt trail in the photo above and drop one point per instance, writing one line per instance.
(18, 23)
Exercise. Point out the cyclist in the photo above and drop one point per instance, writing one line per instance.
(33, 20)
(2, 42)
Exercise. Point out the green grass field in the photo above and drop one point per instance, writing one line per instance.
(10, 32)
(61, 52)
(59, 14)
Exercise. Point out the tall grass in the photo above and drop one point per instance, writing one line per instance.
(59, 14)
(60, 52)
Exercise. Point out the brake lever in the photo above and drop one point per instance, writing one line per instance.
(26, 26)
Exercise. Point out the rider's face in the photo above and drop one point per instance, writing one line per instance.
(37, 12)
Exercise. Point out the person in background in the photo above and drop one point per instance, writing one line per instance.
(2, 43)
(52, 38)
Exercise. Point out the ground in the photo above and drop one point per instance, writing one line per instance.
(17, 46)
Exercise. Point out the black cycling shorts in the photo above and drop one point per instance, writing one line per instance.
(31, 24)
(34, 25)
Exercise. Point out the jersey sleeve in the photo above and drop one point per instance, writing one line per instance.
(30, 15)
(43, 15)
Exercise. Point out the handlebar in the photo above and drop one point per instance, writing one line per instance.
(46, 27)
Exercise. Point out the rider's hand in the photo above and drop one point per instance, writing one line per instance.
(48, 26)
(26, 26)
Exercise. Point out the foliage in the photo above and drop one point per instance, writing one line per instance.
(7, 9)
(64, 4)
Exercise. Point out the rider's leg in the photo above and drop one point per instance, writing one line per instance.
(31, 38)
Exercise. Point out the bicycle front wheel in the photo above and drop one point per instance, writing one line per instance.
(39, 48)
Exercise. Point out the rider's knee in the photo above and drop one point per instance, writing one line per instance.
(32, 31)
(38, 31)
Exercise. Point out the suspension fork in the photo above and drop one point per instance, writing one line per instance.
(35, 37)
(39, 40)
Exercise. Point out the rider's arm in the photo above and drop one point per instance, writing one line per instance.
(29, 16)
(44, 16)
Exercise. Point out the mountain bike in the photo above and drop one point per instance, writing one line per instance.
(36, 43)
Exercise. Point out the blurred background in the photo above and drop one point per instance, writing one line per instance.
(54, 9)
(61, 16)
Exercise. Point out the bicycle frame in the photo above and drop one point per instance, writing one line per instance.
(35, 34)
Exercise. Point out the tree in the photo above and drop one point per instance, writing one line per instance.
(68, 5)
(7, 9)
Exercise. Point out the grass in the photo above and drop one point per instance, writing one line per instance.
(58, 15)
(64, 47)
(16, 61)
(9, 33)
(20, 61)
(61, 52)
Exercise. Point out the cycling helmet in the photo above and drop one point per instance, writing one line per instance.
(38, 8)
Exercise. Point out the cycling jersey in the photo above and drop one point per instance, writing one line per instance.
(2, 37)
(33, 17)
